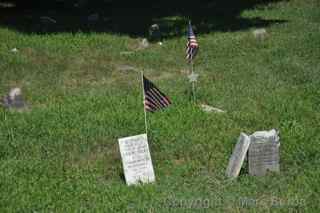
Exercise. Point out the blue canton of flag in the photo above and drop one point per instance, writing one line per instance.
(192, 44)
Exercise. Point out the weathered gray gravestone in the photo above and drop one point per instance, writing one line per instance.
(136, 159)
(263, 153)
(238, 156)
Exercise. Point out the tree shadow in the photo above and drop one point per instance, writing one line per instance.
(132, 18)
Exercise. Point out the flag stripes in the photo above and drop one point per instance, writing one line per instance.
(154, 99)
(192, 44)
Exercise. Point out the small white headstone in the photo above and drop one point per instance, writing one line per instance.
(260, 34)
(136, 159)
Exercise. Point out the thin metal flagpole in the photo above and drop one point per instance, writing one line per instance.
(144, 107)
(193, 82)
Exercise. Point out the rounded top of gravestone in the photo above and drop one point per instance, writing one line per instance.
(154, 32)
(266, 136)
(154, 27)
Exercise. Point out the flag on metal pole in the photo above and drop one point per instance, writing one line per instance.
(191, 52)
(192, 44)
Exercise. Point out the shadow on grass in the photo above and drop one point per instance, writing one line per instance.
(131, 18)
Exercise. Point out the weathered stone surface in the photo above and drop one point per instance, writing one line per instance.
(263, 153)
(238, 156)
(136, 159)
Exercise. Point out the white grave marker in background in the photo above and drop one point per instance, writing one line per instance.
(136, 159)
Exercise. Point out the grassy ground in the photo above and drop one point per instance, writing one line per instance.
(63, 156)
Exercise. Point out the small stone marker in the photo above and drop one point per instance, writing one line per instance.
(238, 156)
(260, 34)
(14, 50)
(143, 44)
(136, 159)
(14, 100)
(264, 152)
(209, 109)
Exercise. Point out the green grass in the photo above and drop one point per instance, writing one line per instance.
(63, 156)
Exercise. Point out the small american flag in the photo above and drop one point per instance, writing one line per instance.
(192, 44)
(154, 99)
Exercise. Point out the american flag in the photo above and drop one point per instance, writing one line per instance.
(154, 99)
(192, 44)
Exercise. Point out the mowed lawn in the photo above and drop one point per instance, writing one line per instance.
(62, 155)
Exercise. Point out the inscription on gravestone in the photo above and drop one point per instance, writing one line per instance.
(264, 153)
(136, 159)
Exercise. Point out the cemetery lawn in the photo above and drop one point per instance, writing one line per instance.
(62, 154)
